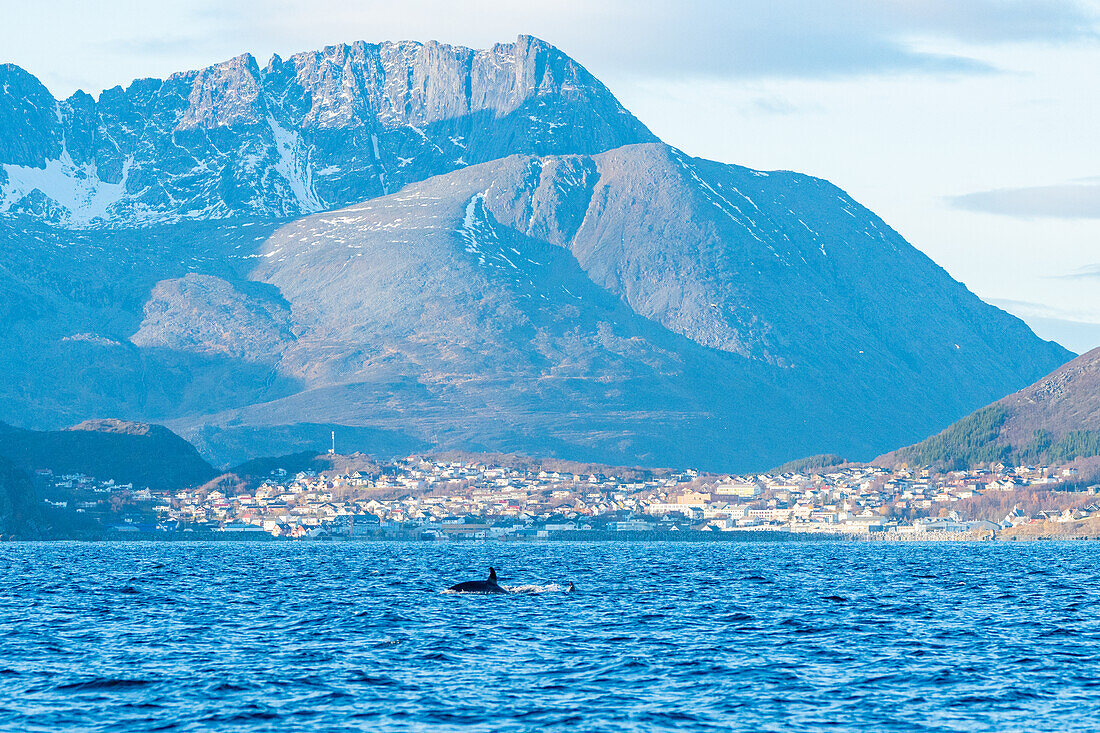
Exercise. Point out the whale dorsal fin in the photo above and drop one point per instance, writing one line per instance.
(492, 575)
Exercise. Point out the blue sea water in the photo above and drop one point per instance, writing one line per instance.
(661, 636)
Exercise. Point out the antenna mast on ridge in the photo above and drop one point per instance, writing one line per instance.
(332, 450)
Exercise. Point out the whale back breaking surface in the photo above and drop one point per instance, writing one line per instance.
(479, 586)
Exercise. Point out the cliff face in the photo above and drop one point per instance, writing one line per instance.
(316, 131)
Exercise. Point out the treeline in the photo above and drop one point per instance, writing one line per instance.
(1078, 444)
(971, 441)
(975, 441)
(810, 463)
(20, 512)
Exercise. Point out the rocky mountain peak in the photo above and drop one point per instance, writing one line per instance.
(226, 94)
(315, 131)
(29, 119)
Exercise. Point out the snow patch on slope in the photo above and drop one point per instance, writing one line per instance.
(475, 229)
(495, 250)
(294, 166)
(92, 338)
(78, 190)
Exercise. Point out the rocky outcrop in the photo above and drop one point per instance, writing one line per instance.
(208, 315)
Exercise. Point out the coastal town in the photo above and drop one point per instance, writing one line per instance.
(424, 499)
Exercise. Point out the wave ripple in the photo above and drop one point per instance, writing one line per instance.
(799, 637)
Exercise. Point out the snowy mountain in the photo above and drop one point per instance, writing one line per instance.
(316, 131)
(423, 247)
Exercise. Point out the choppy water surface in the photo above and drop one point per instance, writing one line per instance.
(277, 636)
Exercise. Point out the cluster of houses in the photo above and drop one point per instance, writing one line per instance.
(81, 493)
(419, 498)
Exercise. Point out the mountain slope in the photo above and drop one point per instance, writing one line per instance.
(1055, 420)
(316, 131)
(621, 304)
(779, 267)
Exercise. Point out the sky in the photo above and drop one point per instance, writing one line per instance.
(967, 125)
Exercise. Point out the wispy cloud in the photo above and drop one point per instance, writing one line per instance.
(619, 40)
(990, 21)
(1089, 272)
(1065, 201)
(1031, 309)
(774, 105)
(156, 46)
(1075, 331)
(704, 38)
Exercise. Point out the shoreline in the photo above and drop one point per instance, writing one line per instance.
(753, 537)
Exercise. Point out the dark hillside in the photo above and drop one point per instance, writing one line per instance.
(144, 455)
(20, 515)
